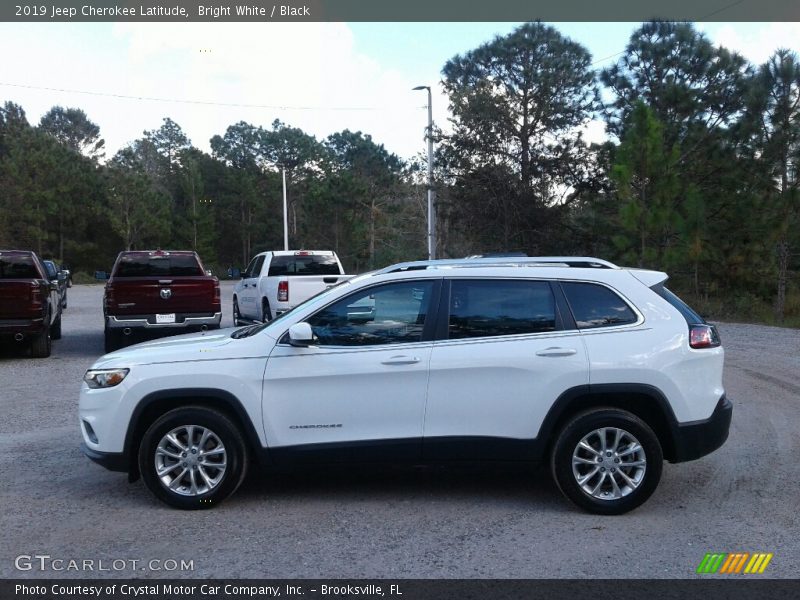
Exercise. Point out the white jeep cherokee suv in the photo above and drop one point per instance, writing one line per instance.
(599, 370)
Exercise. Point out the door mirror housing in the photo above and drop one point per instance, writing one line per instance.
(301, 335)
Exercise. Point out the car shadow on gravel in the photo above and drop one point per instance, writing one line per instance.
(514, 485)
(84, 344)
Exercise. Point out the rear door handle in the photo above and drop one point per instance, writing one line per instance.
(400, 360)
(557, 352)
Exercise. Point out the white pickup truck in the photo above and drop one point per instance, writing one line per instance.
(275, 282)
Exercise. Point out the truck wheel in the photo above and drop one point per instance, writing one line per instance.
(266, 314)
(41, 345)
(237, 316)
(64, 302)
(607, 461)
(55, 329)
(193, 457)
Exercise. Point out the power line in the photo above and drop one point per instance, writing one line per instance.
(703, 18)
(199, 102)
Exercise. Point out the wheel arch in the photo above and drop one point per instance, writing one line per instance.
(152, 406)
(645, 401)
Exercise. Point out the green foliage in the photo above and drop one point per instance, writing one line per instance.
(72, 128)
(699, 177)
(518, 103)
(648, 186)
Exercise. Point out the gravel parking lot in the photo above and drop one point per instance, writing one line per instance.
(401, 523)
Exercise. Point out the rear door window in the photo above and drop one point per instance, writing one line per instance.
(303, 265)
(484, 308)
(595, 305)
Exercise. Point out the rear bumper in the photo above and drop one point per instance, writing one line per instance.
(698, 438)
(182, 321)
(112, 461)
(10, 327)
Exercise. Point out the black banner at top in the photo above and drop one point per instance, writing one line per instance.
(399, 10)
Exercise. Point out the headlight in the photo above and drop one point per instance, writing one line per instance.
(104, 378)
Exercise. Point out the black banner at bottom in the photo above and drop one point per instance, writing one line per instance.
(734, 588)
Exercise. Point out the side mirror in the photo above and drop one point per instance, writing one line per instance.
(209, 273)
(301, 335)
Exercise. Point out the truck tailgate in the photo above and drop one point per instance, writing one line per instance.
(302, 287)
(151, 295)
(16, 300)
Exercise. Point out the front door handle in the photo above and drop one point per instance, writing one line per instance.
(400, 360)
(557, 352)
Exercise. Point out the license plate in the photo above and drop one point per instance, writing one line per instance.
(169, 318)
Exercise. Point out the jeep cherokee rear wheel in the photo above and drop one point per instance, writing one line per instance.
(193, 457)
(607, 461)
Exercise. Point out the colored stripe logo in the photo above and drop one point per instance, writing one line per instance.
(735, 563)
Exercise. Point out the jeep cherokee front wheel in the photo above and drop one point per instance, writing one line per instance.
(607, 461)
(193, 457)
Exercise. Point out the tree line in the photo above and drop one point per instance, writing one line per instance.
(699, 176)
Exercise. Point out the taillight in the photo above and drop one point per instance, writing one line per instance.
(36, 294)
(108, 298)
(283, 291)
(216, 292)
(703, 336)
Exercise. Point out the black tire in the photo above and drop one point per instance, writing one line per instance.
(226, 432)
(266, 313)
(41, 345)
(237, 316)
(590, 423)
(69, 282)
(112, 340)
(55, 329)
(64, 302)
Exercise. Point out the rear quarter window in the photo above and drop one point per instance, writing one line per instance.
(595, 305)
(692, 318)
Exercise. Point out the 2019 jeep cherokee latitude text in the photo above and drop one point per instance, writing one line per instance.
(599, 370)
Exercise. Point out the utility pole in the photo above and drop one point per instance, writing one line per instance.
(285, 214)
(431, 192)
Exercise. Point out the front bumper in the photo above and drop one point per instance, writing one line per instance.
(112, 461)
(698, 438)
(182, 321)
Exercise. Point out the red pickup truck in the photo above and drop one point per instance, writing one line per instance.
(30, 304)
(159, 291)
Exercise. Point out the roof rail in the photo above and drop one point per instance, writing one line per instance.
(582, 262)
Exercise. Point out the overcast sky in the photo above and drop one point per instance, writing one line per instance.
(321, 77)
